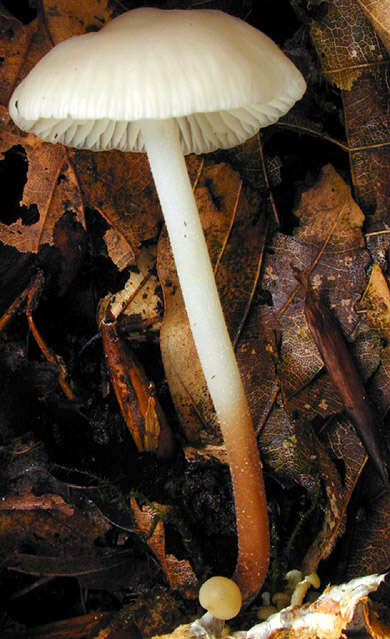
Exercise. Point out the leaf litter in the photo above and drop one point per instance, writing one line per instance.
(313, 457)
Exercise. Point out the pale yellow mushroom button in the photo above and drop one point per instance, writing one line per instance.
(221, 597)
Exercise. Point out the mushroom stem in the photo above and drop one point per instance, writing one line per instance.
(215, 351)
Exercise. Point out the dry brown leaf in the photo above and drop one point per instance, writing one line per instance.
(369, 542)
(52, 186)
(296, 454)
(118, 249)
(138, 306)
(353, 57)
(346, 43)
(12, 32)
(116, 184)
(94, 624)
(291, 450)
(375, 309)
(378, 13)
(379, 384)
(344, 373)
(65, 18)
(366, 110)
(348, 449)
(375, 303)
(178, 572)
(120, 186)
(257, 356)
(339, 278)
(48, 526)
(329, 200)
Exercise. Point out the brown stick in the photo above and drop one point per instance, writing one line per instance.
(18, 302)
(53, 358)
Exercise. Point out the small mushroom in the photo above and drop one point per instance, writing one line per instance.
(221, 597)
(173, 82)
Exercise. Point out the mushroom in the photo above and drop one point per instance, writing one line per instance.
(173, 82)
(221, 597)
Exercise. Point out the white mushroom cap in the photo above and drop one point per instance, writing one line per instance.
(220, 78)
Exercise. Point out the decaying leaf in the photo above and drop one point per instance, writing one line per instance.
(118, 185)
(375, 302)
(375, 309)
(378, 13)
(353, 57)
(295, 452)
(344, 375)
(291, 449)
(339, 278)
(369, 544)
(349, 451)
(11, 32)
(45, 523)
(51, 191)
(90, 625)
(379, 384)
(136, 396)
(138, 306)
(118, 249)
(52, 188)
(65, 18)
(179, 573)
(346, 42)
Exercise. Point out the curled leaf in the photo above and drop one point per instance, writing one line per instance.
(136, 396)
(343, 373)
